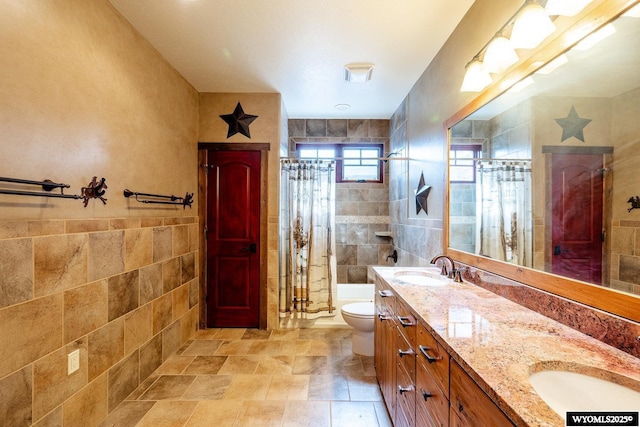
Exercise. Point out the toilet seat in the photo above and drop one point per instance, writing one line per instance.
(361, 310)
(360, 316)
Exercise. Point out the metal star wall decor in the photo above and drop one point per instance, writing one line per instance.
(572, 125)
(422, 193)
(238, 122)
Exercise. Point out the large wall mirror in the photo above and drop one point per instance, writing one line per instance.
(544, 179)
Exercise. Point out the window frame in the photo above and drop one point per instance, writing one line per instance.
(477, 151)
(339, 157)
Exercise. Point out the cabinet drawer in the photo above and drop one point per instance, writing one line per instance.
(405, 353)
(423, 419)
(384, 299)
(470, 404)
(430, 400)
(433, 357)
(407, 322)
(400, 420)
(385, 345)
(406, 394)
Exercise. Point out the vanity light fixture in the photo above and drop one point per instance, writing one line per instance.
(528, 27)
(499, 55)
(531, 26)
(358, 73)
(566, 7)
(476, 78)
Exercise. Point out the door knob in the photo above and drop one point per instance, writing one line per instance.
(251, 248)
(558, 251)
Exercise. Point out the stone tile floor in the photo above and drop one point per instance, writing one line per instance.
(250, 377)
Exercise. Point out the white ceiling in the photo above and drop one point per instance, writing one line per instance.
(299, 47)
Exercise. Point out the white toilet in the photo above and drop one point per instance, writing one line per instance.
(360, 315)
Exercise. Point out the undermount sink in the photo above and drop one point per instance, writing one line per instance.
(427, 277)
(569, 391)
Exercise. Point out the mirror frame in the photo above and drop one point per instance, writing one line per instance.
(623, 304)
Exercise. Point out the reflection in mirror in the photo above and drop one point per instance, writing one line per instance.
(546, 176)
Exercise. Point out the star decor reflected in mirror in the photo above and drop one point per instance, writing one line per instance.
(572, 125)
(238, 122)
(422, 193)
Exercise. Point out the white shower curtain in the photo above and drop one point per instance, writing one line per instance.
(307, 282)
(504, 211)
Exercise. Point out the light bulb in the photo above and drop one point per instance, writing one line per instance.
(499, 55)
(531, 27)
(476, 77)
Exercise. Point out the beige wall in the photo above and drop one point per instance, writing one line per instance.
(82, 94)
(85, 95)
(264, 129)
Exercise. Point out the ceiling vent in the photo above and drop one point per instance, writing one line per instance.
(358, 73)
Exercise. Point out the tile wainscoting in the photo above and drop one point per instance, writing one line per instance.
(123, 291)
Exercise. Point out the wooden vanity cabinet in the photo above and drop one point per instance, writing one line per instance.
(432, 381)
(421, 384)
(384, 344)
(470, 406)
(405, 366)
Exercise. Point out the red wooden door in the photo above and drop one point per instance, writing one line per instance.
(577, 205)
(233, 231)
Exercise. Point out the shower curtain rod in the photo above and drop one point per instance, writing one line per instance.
(490, 159)
(348, 158)
(486, 159)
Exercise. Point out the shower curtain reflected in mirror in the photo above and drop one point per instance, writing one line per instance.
(504, 211)
(307, 282)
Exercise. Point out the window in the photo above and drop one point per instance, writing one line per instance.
(354, 162)
(315, 152)
(361, 163)
(462, 162)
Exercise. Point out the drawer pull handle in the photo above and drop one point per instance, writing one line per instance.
(405, 352)
(405, 321)
(425, 394)
(430, 359)
(385, 293)
(402, 390)
(383, 316)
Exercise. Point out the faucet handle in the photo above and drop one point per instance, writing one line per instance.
(458, 274)
(443, 270)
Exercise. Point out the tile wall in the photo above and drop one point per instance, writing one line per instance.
(361, 208)
(625, 253)
(122, 291)
(418, 239)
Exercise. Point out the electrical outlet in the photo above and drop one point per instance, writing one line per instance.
(73, 361)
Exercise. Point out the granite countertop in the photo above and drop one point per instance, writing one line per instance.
(500, 343)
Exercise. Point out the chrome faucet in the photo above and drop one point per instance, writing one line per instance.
(443, 271)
